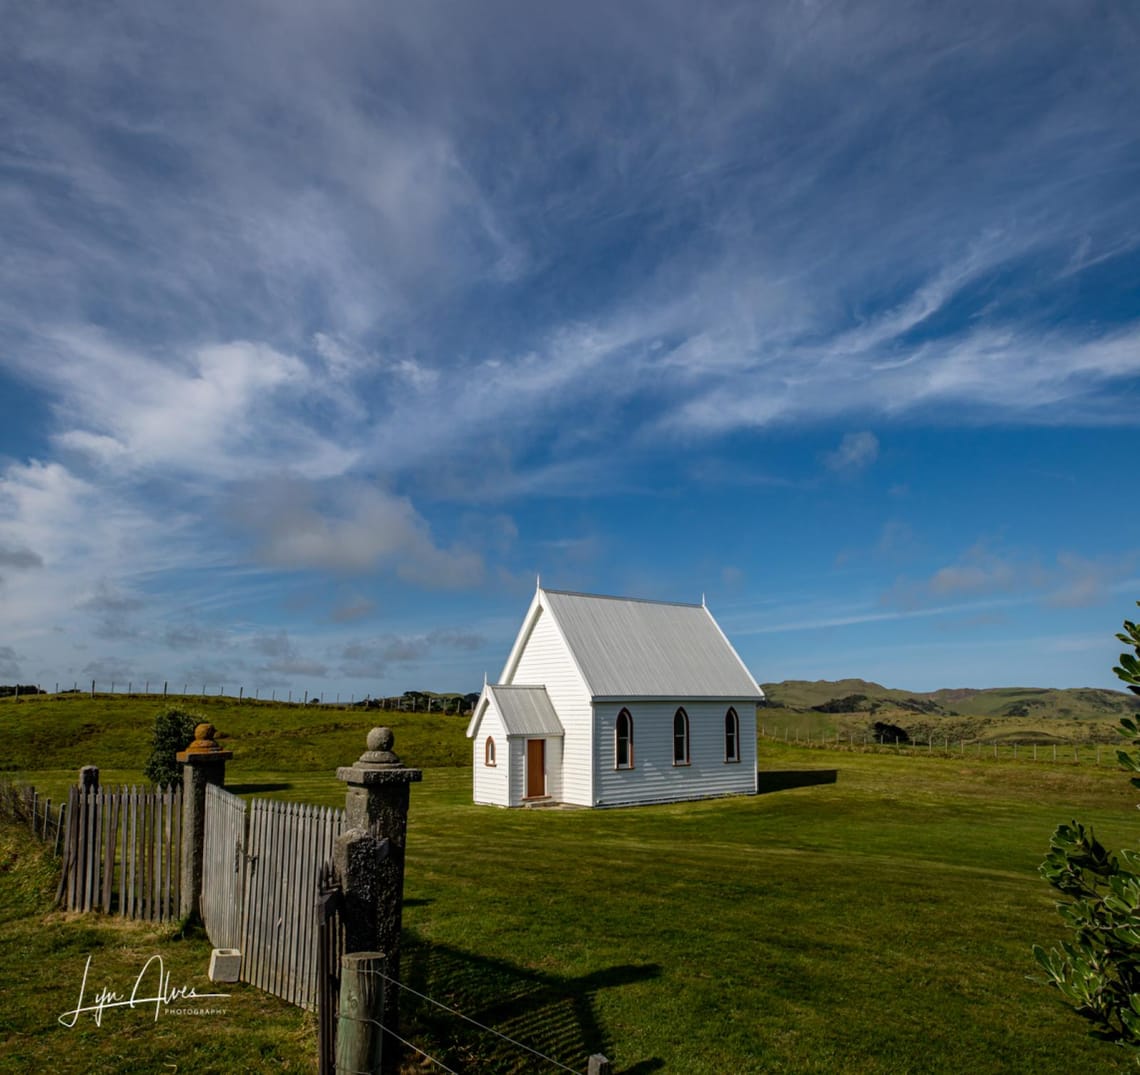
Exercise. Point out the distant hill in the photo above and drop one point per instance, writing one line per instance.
(861, 697)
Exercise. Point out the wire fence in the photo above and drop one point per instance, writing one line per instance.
(1069, 753)
(533, 1056)
(22, 804)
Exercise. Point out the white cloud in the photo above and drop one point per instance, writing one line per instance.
(856, 451)
(371, 658)
(219, 413)
(1068, 581)
(350, 527)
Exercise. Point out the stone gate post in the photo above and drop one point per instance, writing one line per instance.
(203, 762)
(370, 856)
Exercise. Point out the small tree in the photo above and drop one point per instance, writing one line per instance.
(173, 731)
(1098, 971)
(889, 733)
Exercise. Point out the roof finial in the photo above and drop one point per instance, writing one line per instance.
(538, 582)
(703, 605)
(484, 679)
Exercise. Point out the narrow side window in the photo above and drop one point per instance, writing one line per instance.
(623, 741)
(489, 752)
(681, 738)
(731, 736)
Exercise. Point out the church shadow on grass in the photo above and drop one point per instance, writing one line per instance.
(786, 779)
(553, 1014)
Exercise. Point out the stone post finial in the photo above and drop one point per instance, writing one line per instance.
(204, 745)
(379, 754)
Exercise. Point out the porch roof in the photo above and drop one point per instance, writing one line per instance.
(526, 711)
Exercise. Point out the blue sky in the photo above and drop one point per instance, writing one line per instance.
(324, 329)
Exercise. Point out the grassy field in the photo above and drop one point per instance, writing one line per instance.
(867, 913)
(65, 731)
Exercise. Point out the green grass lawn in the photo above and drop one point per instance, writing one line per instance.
(878, 924)
(880, 921)
(43, 954)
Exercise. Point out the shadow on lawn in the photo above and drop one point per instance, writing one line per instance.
(551, 1013)
(784, 779)
(254, 789)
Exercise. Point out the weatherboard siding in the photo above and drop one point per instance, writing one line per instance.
(654, 777)
(491, 783)
(554, 769)
(546, 660)
(517, 749)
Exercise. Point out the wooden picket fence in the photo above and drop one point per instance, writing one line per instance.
(260, 878)
(122, 852)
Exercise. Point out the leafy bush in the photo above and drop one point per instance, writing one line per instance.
(1098, 971)
(889, 733)
(173, 731)
(19, 689)
(851, 703)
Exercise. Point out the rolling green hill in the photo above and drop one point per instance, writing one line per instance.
(1026, 714)
(1074, 703)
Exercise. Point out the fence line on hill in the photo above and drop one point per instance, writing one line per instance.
(1095, 754)
(418, 703)
(23, 804)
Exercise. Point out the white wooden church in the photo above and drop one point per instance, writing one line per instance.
(607, 701)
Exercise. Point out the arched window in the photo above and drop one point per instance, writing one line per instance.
(623, 741)
(681, 738)
(731, 736)
(489, 753)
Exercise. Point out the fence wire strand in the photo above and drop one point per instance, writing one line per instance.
(474, 1022)
(402, 1041)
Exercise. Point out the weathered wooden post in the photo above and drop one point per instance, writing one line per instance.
(203, 762)
(359, 1036)
(370, 859)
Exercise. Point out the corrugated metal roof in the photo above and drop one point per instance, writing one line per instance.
(649, 649)
(526, 710)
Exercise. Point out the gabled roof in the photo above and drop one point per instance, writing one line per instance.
(627, 648)
(525, 710)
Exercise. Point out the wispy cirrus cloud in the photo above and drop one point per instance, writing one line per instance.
(384, 268)
(1065, 580)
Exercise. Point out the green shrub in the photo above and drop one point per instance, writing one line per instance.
(173, 731)
(1098, 971)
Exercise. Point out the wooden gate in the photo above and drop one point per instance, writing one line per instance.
(223, 867)
(330, 950)
(288, 844)
(261, 875)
